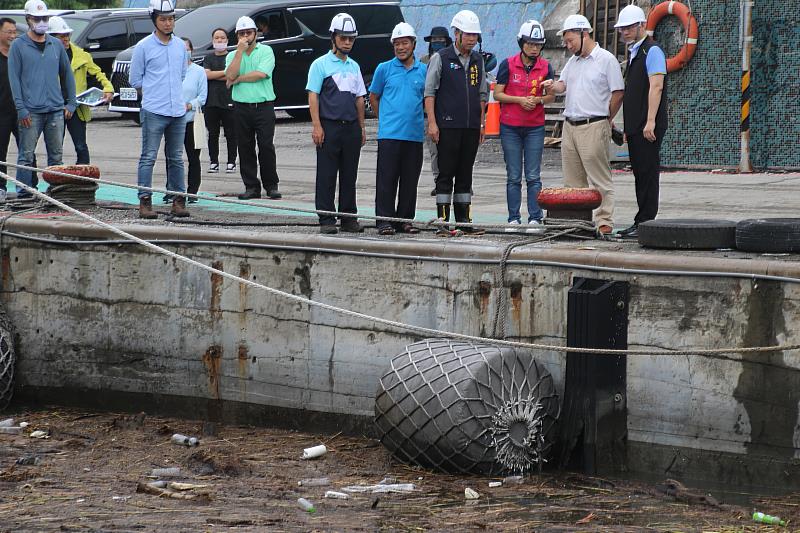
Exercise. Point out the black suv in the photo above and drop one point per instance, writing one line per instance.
(298, 34)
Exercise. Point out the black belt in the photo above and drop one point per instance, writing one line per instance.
(584, 121)
(339, 121)
(255, 104)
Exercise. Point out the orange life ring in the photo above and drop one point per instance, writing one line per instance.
(684, 55)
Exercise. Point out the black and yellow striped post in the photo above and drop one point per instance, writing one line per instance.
(747, 42)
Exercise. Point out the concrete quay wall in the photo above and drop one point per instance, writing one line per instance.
(98, 320)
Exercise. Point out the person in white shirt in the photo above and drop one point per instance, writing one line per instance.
(592, 80)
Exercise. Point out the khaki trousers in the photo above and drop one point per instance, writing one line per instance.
(584, 161)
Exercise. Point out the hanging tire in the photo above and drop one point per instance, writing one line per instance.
(769, 235)
(7, 359)
(688, 234)
(462, 407)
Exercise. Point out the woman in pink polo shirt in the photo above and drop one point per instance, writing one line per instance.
(519, 91)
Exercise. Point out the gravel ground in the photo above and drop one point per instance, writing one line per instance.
(93, 470)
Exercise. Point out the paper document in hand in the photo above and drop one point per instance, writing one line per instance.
(91, 97)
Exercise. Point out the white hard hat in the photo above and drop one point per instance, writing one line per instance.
(344, 24)
(36, 8)
(245, 23)
(576, 23)
(466, 21)
(403, 29)
(58, 26)
(161, 7)
(629, 16)
(532, 32)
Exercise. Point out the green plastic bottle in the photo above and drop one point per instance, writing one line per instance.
(768, 519)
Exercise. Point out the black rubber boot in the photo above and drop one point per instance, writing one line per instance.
(462, 214)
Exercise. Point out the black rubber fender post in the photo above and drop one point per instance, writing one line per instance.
(594, 422)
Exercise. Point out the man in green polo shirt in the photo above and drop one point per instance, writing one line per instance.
(249, 72)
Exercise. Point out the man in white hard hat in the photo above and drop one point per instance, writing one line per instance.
(644, 110)
(456, 93)
(41, 81)
(336, 101)
(522, 99)
(158, 68)
(249, 70)
(396, 95)
(83, 66)
(593, 82)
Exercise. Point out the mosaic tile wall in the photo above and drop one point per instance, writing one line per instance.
(705, 97)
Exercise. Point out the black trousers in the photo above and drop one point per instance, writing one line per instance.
(646, 164)
(193, 156)
(338, 156)
(8, 127)
(255, 124)
(216, 116)
(77, 131)
(457, 149)
(399, 167)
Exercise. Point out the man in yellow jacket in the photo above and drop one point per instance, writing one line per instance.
(82, 66)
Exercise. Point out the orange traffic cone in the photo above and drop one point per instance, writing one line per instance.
(492, 115)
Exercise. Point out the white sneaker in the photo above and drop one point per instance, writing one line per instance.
(512, 230)
(534, 226)
(230, 168)
(3, 195)
(213, 168)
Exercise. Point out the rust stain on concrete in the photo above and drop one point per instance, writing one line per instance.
(484, 291)
(212, 360)
(6, 260)
(216, 291)
(244, 272)
(242, 357)
(516, 304)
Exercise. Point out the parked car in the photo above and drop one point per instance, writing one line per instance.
(298, 34)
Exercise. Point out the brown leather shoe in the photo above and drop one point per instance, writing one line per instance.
(146, 208)
(179, 207)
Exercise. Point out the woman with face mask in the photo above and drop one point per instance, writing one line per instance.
(195, 90)
(437, 40)
(219, 106)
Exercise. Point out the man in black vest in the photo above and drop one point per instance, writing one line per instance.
(645, 110)
(455, 102)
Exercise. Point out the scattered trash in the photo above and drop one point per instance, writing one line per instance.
(306, 505)
(39, 434)
(388, 480)
(513, 480)
(80, 500)
(586, 519)
(183, 440)
(29, 460)
(495, 484)
(315, 451)
(8, 422)
(24, 424)
(166, 472)
(10, 430)
(121, 498)
(177, 491)
(471, 494)
(314, 482)
(337, 495)
(87, 469)
(375, 503)
(394, 487)
(677, 490)
(768, 519)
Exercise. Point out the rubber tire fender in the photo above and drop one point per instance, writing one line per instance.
(769, 235)
(687, 234)
(87, 171)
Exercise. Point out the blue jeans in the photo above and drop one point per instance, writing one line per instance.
(520, 143)
(52, 125)
(153, 128)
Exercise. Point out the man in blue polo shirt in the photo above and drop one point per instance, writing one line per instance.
(396, 94)
(336, 101)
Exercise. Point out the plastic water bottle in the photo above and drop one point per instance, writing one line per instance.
(177, 438)
(306, 505)
(314, 482)
(166, 472)
(768, 519)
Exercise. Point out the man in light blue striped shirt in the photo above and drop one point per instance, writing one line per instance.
(158, 67)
